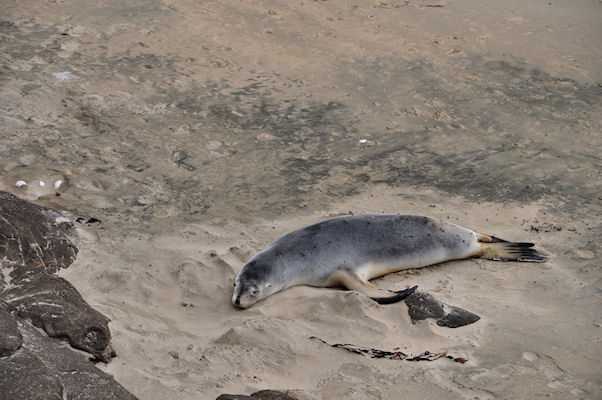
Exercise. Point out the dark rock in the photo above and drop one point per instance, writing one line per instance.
(36, 242)
(24, 376)
(10, 338)
(38, 238)
(457, 317)
(53, 304)
(423, 305)
(261, 395)
(271, 395)
(46, 369)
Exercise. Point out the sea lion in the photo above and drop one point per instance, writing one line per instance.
(350, 250)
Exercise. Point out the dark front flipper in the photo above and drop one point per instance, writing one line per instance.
(351, 281)
(396, 296)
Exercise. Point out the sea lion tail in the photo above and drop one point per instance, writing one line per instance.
(497, 249)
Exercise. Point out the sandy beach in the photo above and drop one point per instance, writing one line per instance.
(199, 132)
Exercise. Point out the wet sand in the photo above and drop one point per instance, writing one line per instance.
(200, 132)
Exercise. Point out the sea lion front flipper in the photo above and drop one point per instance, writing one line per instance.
(398, 296)
(353, 282)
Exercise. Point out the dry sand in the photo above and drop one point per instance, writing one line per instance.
(199, 132)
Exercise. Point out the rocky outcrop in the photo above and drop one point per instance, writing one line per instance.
(24, 376)
(37, 239)
(44, 368)
(34, 243)
(53, 304)
(423, 305)
(261, 395)
(10, 338)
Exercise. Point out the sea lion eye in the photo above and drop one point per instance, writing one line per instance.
(254, 292)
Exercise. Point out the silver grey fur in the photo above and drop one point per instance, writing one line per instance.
(364, 246)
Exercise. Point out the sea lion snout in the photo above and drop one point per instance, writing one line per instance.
(236, 300)
(237, 295)
(244, 295)
(241, 303)
(254, 283)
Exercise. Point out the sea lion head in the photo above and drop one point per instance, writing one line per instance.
(253, 283)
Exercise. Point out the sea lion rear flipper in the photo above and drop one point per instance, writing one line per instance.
(353, 282)
(493, 248)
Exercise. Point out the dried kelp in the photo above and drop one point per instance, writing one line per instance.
(392, 355)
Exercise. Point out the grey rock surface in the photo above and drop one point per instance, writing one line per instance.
(457, 317)
(25, 376)
(34, 243)
(10, 338)
(53, 304)
(261, 395)
(37, 238)
(45, 368)
(423, 305)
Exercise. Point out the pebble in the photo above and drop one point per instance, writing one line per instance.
(20, 183)
(61, 220)
(63, 76)
(530, 356)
